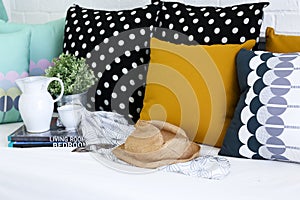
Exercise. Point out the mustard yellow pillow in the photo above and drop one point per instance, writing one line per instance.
(281, 43)
(194, 87)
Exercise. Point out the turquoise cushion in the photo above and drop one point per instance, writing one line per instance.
(46, 42)
(3, 15)
(14, 62)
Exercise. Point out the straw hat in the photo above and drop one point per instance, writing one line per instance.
(156, 143)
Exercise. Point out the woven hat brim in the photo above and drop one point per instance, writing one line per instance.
(151, 161)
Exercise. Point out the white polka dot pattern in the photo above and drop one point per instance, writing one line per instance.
(116, 45)
(180, 23)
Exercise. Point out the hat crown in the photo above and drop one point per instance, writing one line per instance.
(145, 138)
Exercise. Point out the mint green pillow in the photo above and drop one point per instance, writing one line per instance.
(3, 14)
(14, 62)
(46, 42)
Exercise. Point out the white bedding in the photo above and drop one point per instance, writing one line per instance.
(58, 173)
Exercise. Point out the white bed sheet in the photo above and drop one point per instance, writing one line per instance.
(58, 173)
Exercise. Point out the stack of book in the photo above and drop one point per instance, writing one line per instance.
(55, 137)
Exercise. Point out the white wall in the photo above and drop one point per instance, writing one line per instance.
(39, 11)
(283, 15)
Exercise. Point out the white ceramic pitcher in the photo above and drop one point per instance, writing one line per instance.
(35, 103)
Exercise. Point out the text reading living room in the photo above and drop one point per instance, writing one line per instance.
(158, 99)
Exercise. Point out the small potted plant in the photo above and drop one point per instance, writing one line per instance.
(76, 76)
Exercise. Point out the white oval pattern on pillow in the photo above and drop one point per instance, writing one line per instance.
(271, 115)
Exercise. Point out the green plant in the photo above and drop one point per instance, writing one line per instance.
(74, 72)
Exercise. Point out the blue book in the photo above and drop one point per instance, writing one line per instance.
(46, 144)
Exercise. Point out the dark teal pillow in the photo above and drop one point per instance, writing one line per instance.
(266, 121)
(46, 42)
(14, 62)
(3, 14)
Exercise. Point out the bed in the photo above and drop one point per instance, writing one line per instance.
(58, 173)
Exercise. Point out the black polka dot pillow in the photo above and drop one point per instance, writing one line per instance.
(180, 23)
(116, 45)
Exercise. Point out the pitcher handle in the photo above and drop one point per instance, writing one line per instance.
(61, 86)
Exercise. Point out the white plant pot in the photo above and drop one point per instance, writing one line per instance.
(80, 98)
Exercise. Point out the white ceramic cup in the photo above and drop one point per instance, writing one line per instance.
(70, 115)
